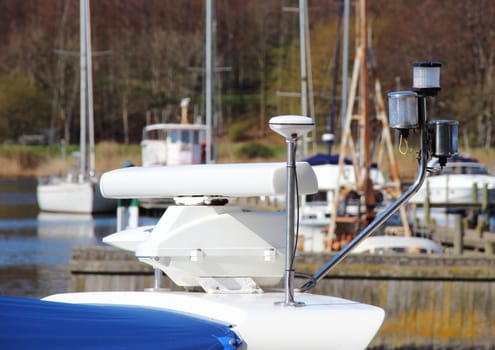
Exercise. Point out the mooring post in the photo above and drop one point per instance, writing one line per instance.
(458, 235)
(480, 228)
(490, 248)
(484, 203)
(426, 205)
(474, 192)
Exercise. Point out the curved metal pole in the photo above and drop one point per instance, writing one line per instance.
(380, 219)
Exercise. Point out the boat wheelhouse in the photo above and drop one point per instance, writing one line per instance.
(173, 144)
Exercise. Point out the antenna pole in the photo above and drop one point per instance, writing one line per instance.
(289, 127)
(290, 206)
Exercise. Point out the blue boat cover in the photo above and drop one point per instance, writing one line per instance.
(320, 159)
(37, 324)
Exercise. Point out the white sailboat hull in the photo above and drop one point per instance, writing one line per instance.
(72, 197)
(64, 195)
(323, 322)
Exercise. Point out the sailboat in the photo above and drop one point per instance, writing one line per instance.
(81, 193)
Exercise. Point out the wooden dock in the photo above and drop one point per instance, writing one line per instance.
(432, 302)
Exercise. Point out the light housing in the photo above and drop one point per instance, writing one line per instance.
(403, 109)
(443, 139)
(426, 78)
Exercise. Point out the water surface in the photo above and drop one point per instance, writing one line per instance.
(35, 248)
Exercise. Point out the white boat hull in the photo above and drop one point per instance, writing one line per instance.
(455, 189)
(322, 323)
(72, 197)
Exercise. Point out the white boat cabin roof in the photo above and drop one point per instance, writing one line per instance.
(171, 126)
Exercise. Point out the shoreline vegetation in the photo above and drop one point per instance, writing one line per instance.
(18, 161)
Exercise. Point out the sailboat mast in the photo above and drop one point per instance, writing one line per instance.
(345, 57)
(82, 79)
(304, 78)
(208, 72)
(89, 56)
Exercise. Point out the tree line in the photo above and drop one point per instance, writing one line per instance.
(149, 54)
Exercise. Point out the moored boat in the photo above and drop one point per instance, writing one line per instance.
(65, 196)
(398, 244)
(316, 209)
(460, 181)
(79, 193)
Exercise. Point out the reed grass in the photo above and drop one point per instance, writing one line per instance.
(40, 161)
(18, 161)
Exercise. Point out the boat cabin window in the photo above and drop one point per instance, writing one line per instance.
(185, 137)
(174, 135)
(195, 137)
(320, 196)
(154, 135)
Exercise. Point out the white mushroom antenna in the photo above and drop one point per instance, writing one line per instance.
(289, 125)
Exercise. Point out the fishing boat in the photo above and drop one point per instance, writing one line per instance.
(460, 181)
(174, 143)
(79, 193)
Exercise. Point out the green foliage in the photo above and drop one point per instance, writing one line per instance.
(254, 150)
(241, 105)
(237, 132)
(24, 108)
(158, 55)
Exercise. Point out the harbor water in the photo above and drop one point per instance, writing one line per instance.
(35, 247)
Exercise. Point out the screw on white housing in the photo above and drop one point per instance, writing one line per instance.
(426, 78)
(290, 127)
